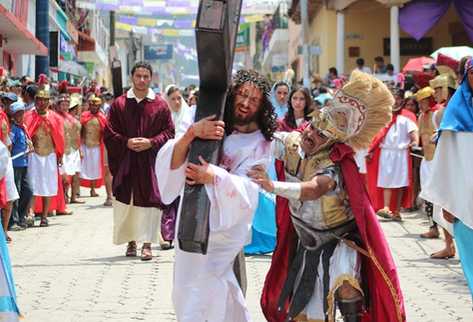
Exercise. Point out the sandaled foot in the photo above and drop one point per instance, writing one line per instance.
(131, 249)
(396, 217)
(77, 201)
(8, 238)
(108, 202)
(44, 222)
(146, 253)
(444, 254)
(431, 234)
(65, 213)
(384, 213)
(166, 245)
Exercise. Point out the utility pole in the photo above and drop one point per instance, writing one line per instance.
(305, 46)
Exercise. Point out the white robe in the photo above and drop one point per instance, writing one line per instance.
(205, 286)
(393, 165)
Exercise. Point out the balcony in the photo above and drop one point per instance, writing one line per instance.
(93, 43)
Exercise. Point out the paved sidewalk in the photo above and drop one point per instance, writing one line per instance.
(71, 272)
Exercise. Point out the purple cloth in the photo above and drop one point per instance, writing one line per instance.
(168, 220)
(417, 17)
(133, 172)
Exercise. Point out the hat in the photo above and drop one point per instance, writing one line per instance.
(357, 112)
(17, 107)
(10, 96)
(424, 93)
(63, 98)
(42, 94)
(31, 90)
(76, 100)
(447, 65)
(95, 100)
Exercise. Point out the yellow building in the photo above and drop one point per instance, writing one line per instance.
(343, 30)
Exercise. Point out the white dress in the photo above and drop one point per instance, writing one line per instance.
(205, 286)
(393, 171)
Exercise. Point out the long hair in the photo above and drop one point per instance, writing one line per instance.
(266, 118)
(289, 118)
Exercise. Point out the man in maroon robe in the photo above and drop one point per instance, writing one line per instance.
(139, 124)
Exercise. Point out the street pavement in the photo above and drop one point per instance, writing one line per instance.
(71, 272)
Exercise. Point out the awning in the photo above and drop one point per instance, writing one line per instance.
(17, 38)
(72, 67)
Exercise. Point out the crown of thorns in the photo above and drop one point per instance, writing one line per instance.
(243, 76)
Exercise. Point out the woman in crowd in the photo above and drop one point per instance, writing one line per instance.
(300, 105)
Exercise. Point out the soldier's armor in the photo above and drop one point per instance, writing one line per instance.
(92, 133)
(42, 141)
(426, 132)
(71, 135)
(4, 129)
(330, 210)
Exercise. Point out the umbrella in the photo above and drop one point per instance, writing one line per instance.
(456, 53)
(417, 64)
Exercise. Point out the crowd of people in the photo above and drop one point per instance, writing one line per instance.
(319, 164)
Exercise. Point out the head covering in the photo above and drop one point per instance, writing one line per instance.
(94, 100)
(17, 107)
(76, 100)
(279, 108)
(177, 116)
(458, 115)
(447, 65)
(424, 93)
(10, 96)
(357, 111)
(42, 94)
(444, 81)
(63, 98)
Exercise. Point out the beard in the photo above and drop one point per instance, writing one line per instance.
(244, 120)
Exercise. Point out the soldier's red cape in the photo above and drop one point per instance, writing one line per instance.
(84, 119)
(379, 271)
(375, 193)
(54, 124)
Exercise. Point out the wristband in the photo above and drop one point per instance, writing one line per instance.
(289, 190)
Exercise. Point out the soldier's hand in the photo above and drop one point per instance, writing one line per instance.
(259, 176)
(209, 128)
(199, 174)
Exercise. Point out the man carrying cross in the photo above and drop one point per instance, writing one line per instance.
(205, 286)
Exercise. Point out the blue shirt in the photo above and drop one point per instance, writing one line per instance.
(19, 144)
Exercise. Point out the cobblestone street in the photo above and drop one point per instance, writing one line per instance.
(71, 271)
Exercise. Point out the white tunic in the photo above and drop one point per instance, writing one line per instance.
(393, 171)
(91, 163)
(71, 163)
(205, 286)
(4, 155)
(12, 192)
(42, 174)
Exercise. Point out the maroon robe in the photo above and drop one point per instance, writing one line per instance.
(134, 171)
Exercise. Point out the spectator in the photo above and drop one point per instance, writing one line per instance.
(28, 94)
(20, 144)
(360, 65)
(379, 66)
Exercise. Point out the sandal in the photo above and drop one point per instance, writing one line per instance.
(384, 213)
(94, 194)
(396, 217)
(108, 202)
(146, 253)
(443, 254)
(44, 222)
(65, 213)
(77, 201)
(131, 249)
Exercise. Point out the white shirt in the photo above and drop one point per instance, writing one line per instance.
(131, 94)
